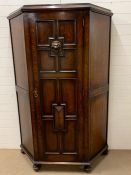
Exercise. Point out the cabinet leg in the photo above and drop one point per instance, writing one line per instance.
(105, 152)
(36, 167)
(87, 168)
(22, 151)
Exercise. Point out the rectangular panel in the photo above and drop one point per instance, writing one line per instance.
(25, 120)
(67, 29)
(99, 49)
(19, 55)
(59, 117)
(50, 137)
(69, 95)
(45, 29)
(47, 63)
(98, 118)
(70, 137)
(68, 62)
(48, 95)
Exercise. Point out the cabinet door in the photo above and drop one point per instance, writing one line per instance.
(57, 43)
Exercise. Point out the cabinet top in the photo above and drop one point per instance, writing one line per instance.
(53, 7)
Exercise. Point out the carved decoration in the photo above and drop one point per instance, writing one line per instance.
(56, 46)
(59, 117)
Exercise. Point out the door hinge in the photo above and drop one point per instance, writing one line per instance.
(83, 22)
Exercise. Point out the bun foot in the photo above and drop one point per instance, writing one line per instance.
(22, 151)
(87, 168)
(36, 167)
(105, 152)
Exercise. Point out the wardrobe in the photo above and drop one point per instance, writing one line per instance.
(61, 55)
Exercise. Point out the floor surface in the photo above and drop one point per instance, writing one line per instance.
(12, 162)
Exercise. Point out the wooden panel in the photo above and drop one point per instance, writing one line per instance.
(99, 49)
(45, 29)
(67, 29)
(98, 121)
(68, 62)
(69, 95)
(25, 120)
(59, 116)
(57, 89)
(50, 137)
(61, 75)
(47, 63)
(48, 95)
(17, 32)
(70, 137)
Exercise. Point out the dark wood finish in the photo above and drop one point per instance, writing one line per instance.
(21, 79)
(61, 60)
(55, 7)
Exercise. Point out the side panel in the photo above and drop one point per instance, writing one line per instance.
(99, 49)
(17, 32)
(98, 119)
(21, 77)
(98, 80)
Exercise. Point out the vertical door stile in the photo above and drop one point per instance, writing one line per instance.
(36, 92)
(85, 84)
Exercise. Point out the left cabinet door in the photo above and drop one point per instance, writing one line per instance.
(56, 44)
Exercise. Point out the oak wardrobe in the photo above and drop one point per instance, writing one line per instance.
(61, 60)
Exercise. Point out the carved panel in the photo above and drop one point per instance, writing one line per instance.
(63, 91)
(59, 117)
(58, 76)
(56, 46)
(55, 40)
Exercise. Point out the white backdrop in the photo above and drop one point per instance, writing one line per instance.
(119, 135)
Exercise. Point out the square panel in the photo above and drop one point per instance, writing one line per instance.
(67, 29)
(45, 29)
